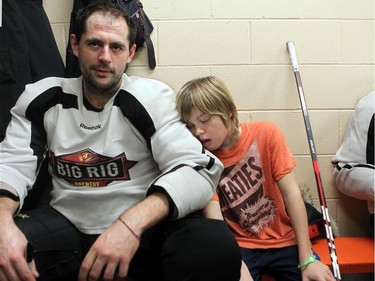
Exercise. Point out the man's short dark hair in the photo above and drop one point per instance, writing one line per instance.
(104, 7)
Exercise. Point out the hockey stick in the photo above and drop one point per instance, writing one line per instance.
(314, 158)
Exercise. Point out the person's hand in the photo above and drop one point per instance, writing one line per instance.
(317, 271)
(13, 265)
(245, 273)
(110, 255)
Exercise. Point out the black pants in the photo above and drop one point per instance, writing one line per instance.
(188, 249)
(281, 263)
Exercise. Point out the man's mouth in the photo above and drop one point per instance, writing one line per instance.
(102, 72)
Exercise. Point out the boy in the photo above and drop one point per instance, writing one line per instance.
(258, 193)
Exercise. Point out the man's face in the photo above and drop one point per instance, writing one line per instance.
(103, 52)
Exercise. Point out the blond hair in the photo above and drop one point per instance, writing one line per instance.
(211, 96)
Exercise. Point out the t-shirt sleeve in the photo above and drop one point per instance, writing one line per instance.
(282, 159)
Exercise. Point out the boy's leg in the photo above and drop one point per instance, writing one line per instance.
(197, 249)
(283, 264)
(280, 263)
(57, 247)
(255, 261)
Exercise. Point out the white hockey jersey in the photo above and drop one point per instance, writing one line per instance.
(354, 171)
(103, 162)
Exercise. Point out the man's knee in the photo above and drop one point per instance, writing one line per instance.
(57, 248)
(203, 249)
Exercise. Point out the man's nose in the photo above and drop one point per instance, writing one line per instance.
(105, 55)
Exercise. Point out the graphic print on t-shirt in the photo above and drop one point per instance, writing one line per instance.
(87, 168)
(241, 194)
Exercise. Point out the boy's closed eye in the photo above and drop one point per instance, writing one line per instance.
(204, 118)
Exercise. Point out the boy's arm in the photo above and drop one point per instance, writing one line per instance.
(212, 210)
(297, 213)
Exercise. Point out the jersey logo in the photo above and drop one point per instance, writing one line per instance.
(87, 168)
(241, 194)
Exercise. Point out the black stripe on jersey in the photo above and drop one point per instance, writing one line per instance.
(133, 110)
(35, 113)
(370, 142)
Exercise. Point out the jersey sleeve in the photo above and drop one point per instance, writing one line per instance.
(23, 148)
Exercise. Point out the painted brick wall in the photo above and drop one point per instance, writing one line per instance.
(243, 42)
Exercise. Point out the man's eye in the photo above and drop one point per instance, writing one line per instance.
(117, 47)
(93, 43)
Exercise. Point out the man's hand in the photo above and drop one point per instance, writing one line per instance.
(112, 252)
(13, 264)
(110, 255)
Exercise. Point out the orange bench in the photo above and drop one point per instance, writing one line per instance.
(354, 254)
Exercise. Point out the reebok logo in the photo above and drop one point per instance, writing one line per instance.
(96, 127)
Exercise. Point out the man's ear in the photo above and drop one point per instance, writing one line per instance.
(74, 44)
(131, 53)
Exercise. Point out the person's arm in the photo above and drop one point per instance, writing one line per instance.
(115, 247)
(212, 210)
(354, 160)
(297, 213)
(189, 173)
(356, 180)
(13, 265)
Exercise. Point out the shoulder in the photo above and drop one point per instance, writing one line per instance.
(261, 127)
(145, 87)
(47, 91)
(366, 105)
(66, 85)
(142, 99)
(156, 97)
(51, 82)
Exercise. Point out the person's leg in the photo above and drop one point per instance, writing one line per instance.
(282, 264)
(253, 258)
(57, 247)
(196, 249)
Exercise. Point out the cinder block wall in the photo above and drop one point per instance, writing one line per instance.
(243, 42)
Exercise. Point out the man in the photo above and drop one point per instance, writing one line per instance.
(127, 175)
(354, 160)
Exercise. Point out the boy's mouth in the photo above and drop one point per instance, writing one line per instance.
(205, 142)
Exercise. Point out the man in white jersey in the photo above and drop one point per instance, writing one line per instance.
(128, 178)
(354, 160)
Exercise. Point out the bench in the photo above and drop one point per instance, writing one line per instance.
(355, 254)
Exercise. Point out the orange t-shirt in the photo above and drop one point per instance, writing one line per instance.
(249, 196)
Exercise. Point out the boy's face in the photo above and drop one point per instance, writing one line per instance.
(209, 129)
